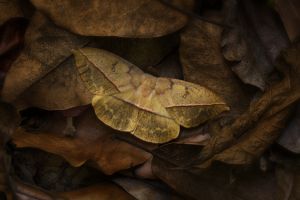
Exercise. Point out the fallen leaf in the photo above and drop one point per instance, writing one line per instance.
(105, 191)
(169, 67)
(133, 18)
(178, 154)
(255, 41)
(288, 181)
(51, 172)
(146, 190)
(5, 189)
(192, 186)
(274, 104)
(219, 182)
(288, 11)
(65, 90)
(143, 52)
(9, 9)
(46, 47)
(254, 143)
(9, 120)
(123, 91)
(203, 63)
(11, 43)
(57, 73)
(94, 142)
(290, 138)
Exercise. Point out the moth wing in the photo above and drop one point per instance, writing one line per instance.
(105, 73)
(189, 104)
(149, 121)
(115, 113)
(155, 128)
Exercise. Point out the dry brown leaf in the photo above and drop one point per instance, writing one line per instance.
(93, 142)
(169, 67)
(290, 138)
(9, 120)
(211, 186)
(288, 181)
(274, 103)
(129, 100)
(103, 191)
(251, 146)
(11, 42)
(143, 52)
(51, 172)
(145, 190)
(106, 191)
(255, 41)
(46, 47)
(9, 9)
(218, 182)
(5, 191)
(130, 18)
(289, 14)
(203, 63)
(60, 89)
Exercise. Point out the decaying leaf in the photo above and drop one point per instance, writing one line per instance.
(218, 182)
(45, 64)
(288, 181)
(5, 190)
(11, 42)
(9, 9)
(152, 109)
(46, 47)
(94, 142)
(274, 104)
(203, 63)
(64, 87)
(145, 190)
(131, 18)
(289, 14)
(103, 191)
(192, 186)
(51, 172)
(143, 52)
(290, 138)
(9, 120)
(255, 41)
(252, 145)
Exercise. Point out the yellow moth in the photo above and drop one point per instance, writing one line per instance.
(151, 108)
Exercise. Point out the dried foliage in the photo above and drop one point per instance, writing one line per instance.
(216, 83)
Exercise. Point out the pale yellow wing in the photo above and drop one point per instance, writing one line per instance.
(105, 73)
(148, 121)
(189, 104)
(115, 113)
(150, 108)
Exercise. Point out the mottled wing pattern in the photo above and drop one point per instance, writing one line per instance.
(151, 108)
(187, 103)
(104, 73)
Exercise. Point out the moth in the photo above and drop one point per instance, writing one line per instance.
(151, 108)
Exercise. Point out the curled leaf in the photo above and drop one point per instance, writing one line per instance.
(274, 104)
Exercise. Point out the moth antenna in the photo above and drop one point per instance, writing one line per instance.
(193, 15)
